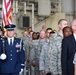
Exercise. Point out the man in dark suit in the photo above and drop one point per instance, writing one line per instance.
(15, 57)
(68, 51)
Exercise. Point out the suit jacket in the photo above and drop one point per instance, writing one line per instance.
(15, 57)
(67, 56)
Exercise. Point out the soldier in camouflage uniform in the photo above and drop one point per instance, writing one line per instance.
(33, 58)
(27, 45)
(26, 40)
(42, 40)
(48, 59)
(36, 50)
(57, 41)
(34, 43)
(44, 63)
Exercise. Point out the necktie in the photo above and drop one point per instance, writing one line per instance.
(10, 42)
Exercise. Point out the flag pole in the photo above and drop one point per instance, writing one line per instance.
(3, 42)
(3, 32)
(3, 55)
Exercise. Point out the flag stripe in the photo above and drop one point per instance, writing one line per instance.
(6, 12)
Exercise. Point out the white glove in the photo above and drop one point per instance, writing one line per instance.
(3, 56)
(21, 71)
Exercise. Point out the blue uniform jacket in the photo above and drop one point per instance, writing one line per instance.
(15, 57)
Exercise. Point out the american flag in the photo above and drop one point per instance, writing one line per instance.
(6, 12)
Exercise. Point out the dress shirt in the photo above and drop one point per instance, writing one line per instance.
(10, 39)
(74, 36)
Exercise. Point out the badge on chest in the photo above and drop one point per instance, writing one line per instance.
(18, 47)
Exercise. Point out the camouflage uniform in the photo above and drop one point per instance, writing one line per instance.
(48, 59)
(35, 53)
(40, 44)
(26, 41)
(33, 57)
(57, 40)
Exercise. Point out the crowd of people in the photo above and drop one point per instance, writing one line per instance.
(47, 52)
